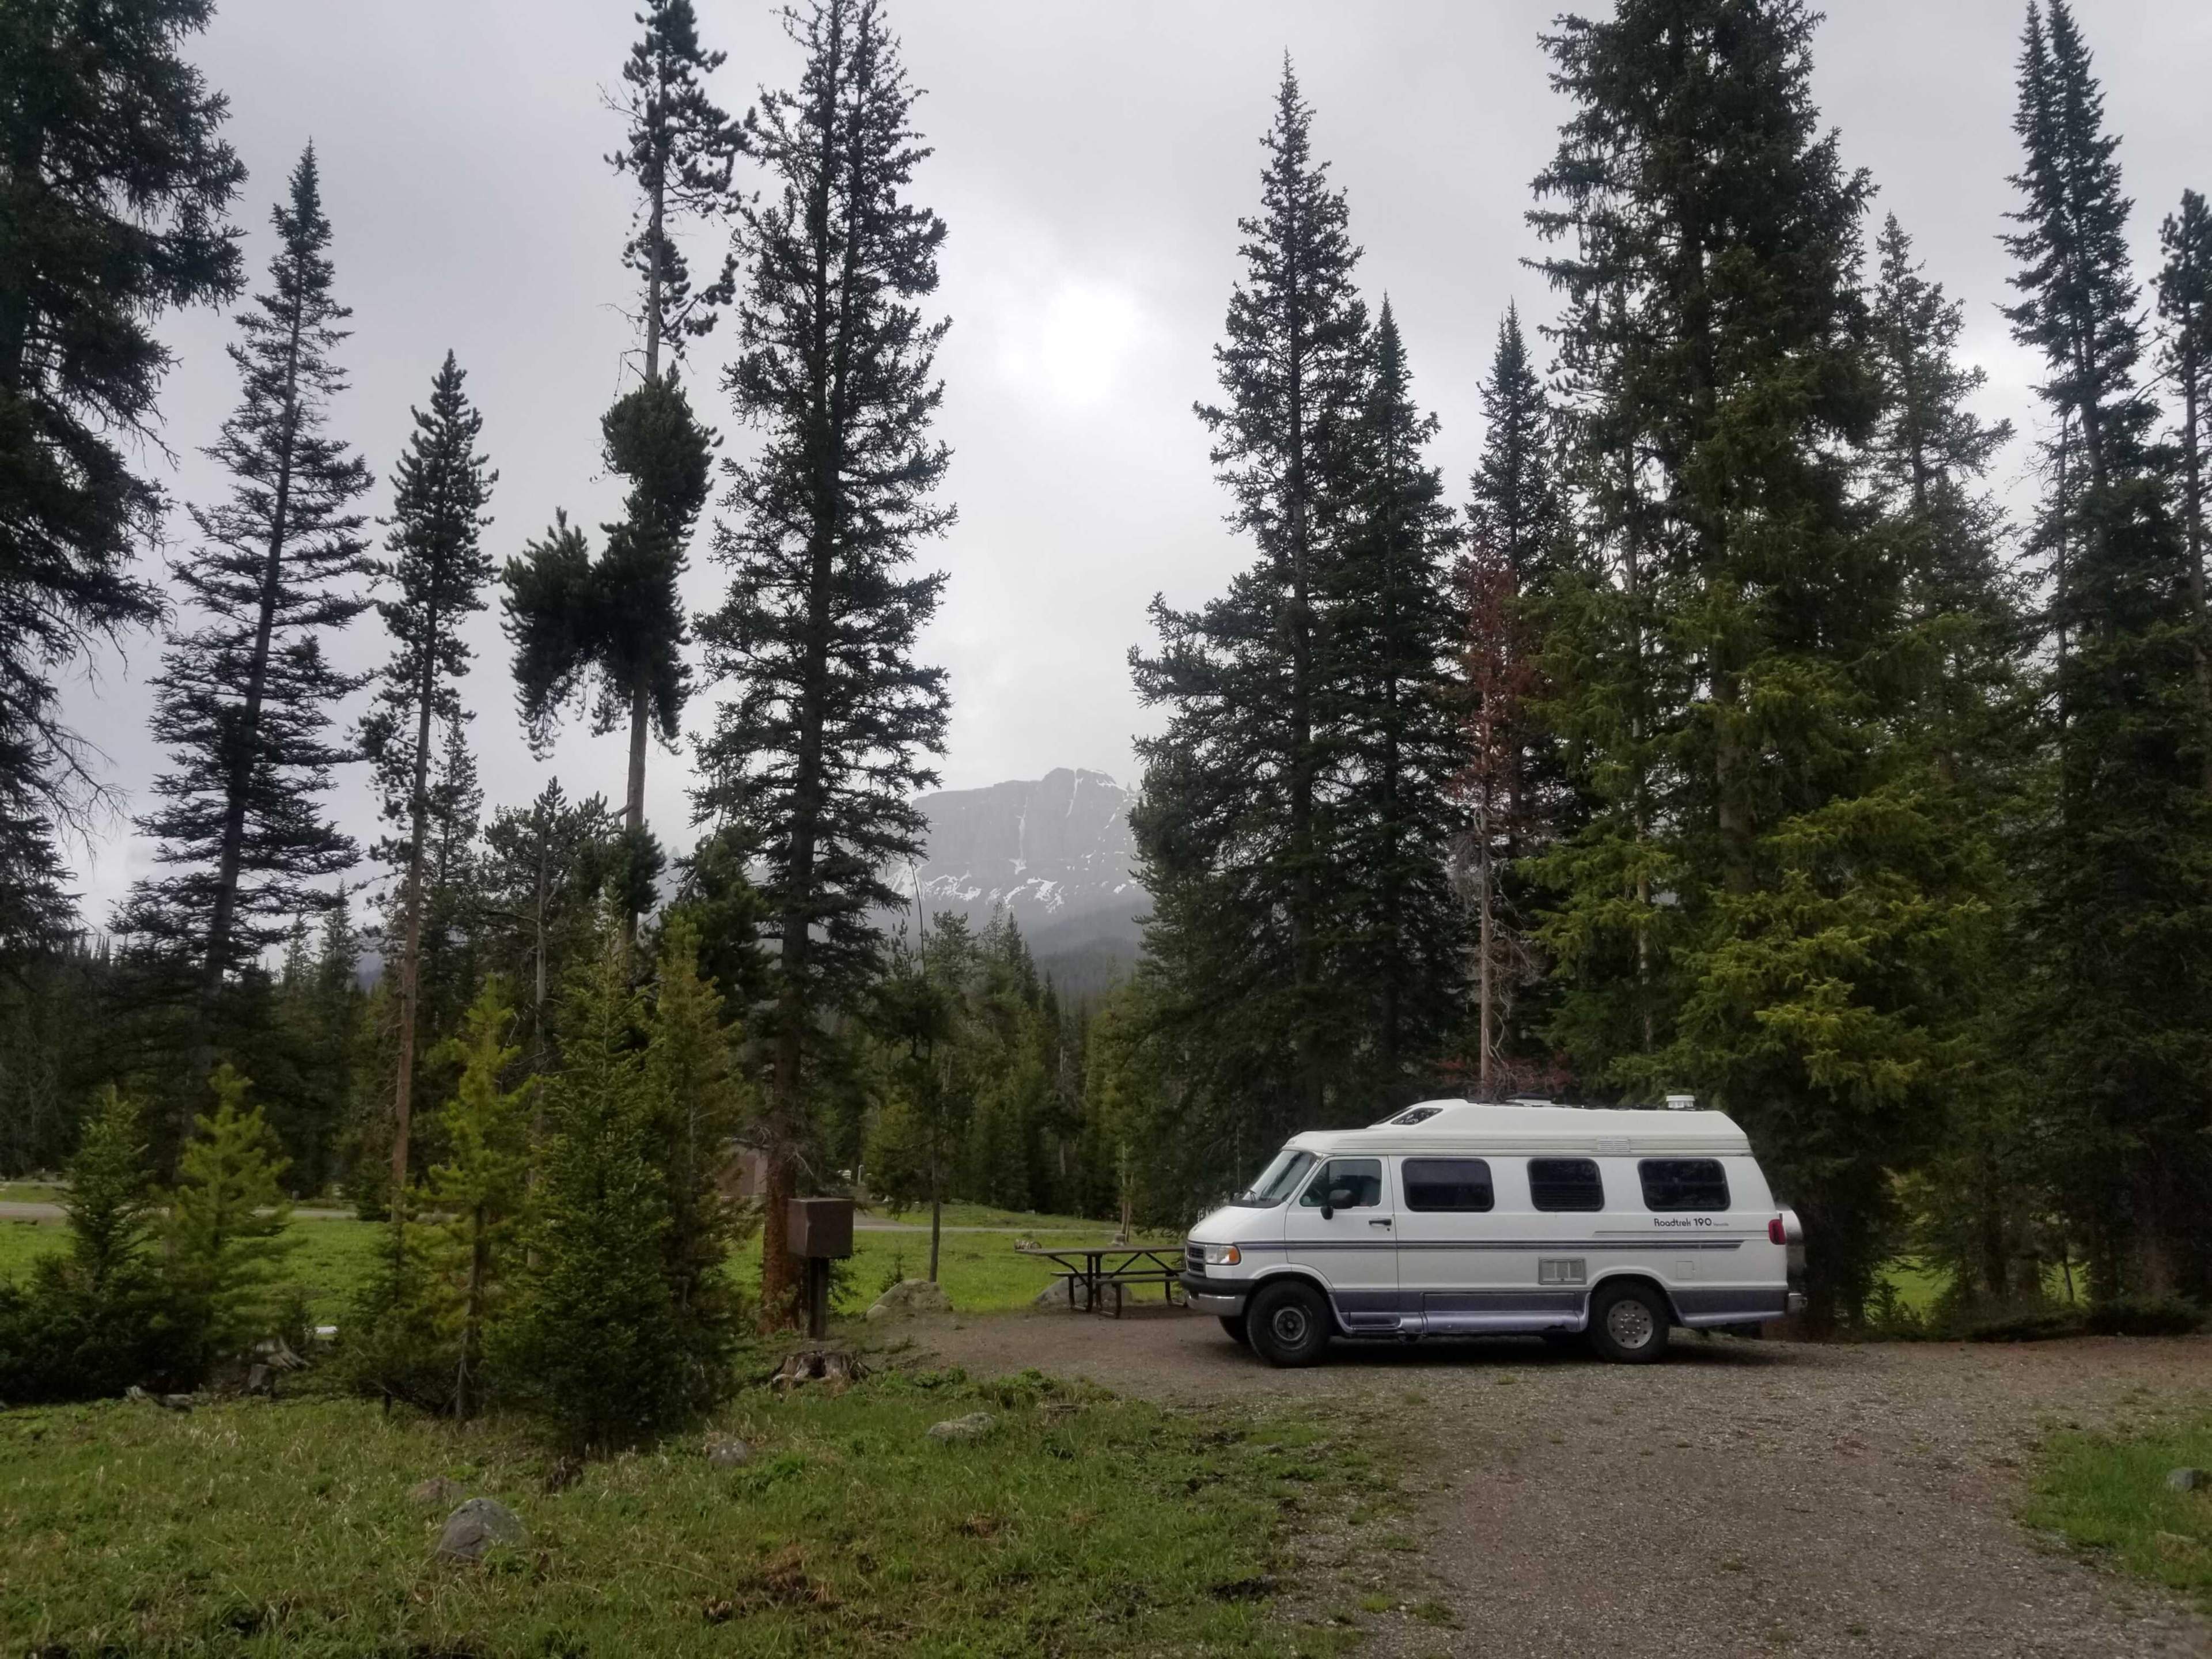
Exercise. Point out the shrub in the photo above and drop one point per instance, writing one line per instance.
(97, 1318)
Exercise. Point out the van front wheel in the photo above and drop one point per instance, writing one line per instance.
(1628, 1324)
(1288, 1324)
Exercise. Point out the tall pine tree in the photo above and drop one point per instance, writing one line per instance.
(616, 624)
(681, 148)
(817, 756)
(2185, 303)
(1231, 825)
(2123, 879)
(440, 487)
(1762, 905)
(1514, 788)
(1396, 743)
(244, 699)
(111, 207)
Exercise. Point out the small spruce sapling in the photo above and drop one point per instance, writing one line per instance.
(480, 1188)
(225, 1231)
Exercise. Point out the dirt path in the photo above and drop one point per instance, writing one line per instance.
(1741, 1498)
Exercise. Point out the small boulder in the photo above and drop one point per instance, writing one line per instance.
(1058, 1294)
(973, 1426)
(1027, 1245)
(2188, 1479)
(728, 1453)
(910, 1296)
(477, 1526)
(435, 1493)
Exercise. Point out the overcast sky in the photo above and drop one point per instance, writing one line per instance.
(1092, 162)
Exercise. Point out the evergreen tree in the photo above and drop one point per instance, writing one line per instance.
(1516, 790)
(112, 209)
(592, 1336)
(2185, 303)
(817, 756)
(2122, 874)
(616, 623)
(94, 1320)
(544, 867)
(244, 700)
(477, 1191)
(1397, 745)
(1719, 667)
(699, 1097)
(440, 487)
(1230, 826)
(681, 148)
(226, 1217)
(1959, 660)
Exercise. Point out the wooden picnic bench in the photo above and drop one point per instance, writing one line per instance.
(1097, 1273)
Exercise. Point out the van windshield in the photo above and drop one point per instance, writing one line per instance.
(1277, 1181)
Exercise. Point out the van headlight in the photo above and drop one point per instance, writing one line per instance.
(1219, 1255)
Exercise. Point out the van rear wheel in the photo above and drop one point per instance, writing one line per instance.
(1288, 1324)
(1628, 1324)
(1234, 1324)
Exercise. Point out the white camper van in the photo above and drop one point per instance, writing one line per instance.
(1453, 1218)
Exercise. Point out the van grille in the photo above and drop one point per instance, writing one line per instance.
(1194, 1259)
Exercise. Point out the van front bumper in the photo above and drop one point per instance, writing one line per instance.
(1222, 1297)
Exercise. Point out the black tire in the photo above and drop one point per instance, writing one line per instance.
(1234, 1324)
(1288, 1323)
(1628, 1323)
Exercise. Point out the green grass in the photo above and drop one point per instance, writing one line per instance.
(1083, 1524)
(2107, 1494)
(980, 1272)
(1018, 1221)
(29, 1192)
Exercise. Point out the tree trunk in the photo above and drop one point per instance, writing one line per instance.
(633, 798)
(246, 737)
(410, 960)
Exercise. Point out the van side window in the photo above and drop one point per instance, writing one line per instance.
(1446, 1183)
(1565, 1184)
(1362, 1175)
(1683, 1183)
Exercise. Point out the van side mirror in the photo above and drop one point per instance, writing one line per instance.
(1339, 1197)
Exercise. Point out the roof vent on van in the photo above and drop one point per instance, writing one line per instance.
(1418, 1114)
(1528, 1100)
(1681, 1103)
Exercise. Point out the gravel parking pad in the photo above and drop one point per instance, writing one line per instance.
(1741, 1497)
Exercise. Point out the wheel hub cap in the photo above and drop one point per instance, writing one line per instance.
(1629, 1322)
(1291, 1325)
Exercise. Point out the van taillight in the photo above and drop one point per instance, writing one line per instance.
(1774, 1232)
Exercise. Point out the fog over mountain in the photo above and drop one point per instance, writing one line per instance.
(1057, 852)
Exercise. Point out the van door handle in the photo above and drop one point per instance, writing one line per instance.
(1379, 1221)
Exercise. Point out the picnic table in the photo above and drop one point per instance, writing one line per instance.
(1094, 1270)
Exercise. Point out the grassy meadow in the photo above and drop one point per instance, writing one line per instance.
(982, 1271)
(1083, 1523)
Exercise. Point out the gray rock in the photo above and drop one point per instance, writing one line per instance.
(477, 1526)
(176, 1402)
(728, 1453)
(910, 1296)
(973, 1426)
(1058, 1294)
(2188, 1479)
(435, 1493)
